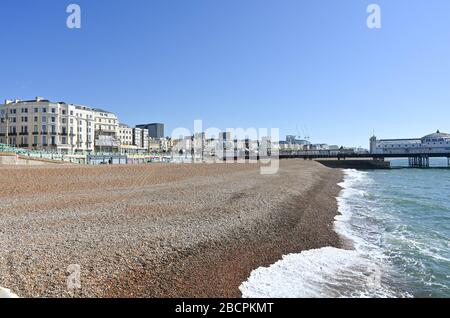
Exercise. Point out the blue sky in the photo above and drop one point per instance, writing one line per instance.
(306, 67)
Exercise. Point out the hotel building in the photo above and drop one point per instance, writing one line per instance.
(40, 124)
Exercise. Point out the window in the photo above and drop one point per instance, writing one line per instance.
(44, 140)
(63, 140)
(36, 119)
(44, 129)
(35, 140)
(53, 119)
(36, 110)
(53, 110)
(44, 110)
(71, 113)
(35, 129)
(63, 112)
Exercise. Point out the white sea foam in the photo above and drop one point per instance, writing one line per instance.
(306, 275)
(6, 293)
(326, 272)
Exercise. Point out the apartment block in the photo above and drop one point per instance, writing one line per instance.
(106, 131)
(40, 124)
(125, 135)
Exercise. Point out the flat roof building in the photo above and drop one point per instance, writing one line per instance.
(155, 130)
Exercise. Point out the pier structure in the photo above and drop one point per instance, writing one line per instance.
(418, 152)
(419, 162)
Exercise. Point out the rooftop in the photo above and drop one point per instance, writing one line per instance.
(437, 135)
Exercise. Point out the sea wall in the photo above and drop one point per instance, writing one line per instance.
(356, 164)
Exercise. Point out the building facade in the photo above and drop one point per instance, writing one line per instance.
(137, 137)
(125, 135)
(155, 130)
(144, 139)
(42, 124)
(106, 131)
(432, 144)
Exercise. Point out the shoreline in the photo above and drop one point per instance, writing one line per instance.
(185, 231)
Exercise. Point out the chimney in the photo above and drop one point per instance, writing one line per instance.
(8, 101)
(38, 99)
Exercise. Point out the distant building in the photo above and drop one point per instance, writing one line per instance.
(144, 139)
(137, 137)
(433, 143)
(155, 130)
(125, 135)
(106, 131)
(57, 126)
(154, 145)
(293, 140)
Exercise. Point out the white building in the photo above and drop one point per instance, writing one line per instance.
(436, 143)
(40, 124)
(106, 131)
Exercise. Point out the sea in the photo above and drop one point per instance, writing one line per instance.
(397, 227)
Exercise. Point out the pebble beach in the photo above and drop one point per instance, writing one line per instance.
(188, 230)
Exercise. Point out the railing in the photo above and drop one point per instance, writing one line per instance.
(84, 157)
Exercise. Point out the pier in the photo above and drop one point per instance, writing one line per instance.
(368, 160)
(418, 151)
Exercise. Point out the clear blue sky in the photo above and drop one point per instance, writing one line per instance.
(310, 66)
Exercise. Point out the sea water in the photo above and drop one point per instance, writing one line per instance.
(397, 223)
